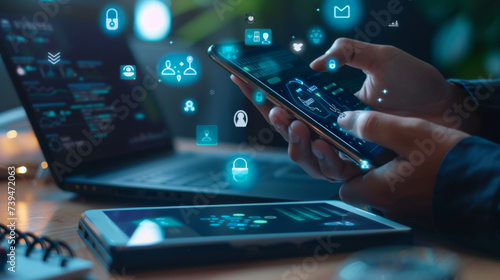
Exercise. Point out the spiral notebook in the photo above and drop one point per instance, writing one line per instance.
(40, 258)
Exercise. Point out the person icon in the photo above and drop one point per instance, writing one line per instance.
(240, 119)
(168, 71)
(190, 71)
(207, 137)
(265, 36)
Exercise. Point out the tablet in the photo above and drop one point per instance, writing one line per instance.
(156, 237)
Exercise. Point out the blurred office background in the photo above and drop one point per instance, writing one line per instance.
(460, 38)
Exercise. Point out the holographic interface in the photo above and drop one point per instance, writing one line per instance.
(78, 96)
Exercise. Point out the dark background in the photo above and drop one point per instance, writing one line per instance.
(461, 38)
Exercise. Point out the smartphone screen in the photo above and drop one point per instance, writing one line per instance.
(169, 223)
(311, 93)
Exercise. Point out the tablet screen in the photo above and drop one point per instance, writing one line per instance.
(239, 220)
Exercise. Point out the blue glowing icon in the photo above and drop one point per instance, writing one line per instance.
(316, 36)
(331, 64)
(112, 19)
(240, 118)
(240, 170)
(344, 15)
(258, 97)
(206, 135)
(127, 72)
(230, 51)
(189, 107)
(257, 37)
(179, 69)
(344, 12)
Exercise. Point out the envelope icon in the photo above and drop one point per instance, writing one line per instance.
(342, 13)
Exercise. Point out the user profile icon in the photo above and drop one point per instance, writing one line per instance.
(128, 72)
(250, 18)
(206, 135)
(240, 118)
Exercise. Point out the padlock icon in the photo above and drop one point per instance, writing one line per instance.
(240, 174)
(332, 64)
(259, 97)
(111, 19)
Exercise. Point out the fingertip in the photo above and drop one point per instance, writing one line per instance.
(300, 129)
(275, 117)
(318, 64)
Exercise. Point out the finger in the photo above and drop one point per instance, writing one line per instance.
(299, 149)
(248, 91)
(357, 54)
(331, 165)
(392, 132)
(281, 120)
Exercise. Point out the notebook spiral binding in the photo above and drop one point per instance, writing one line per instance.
(48, 245)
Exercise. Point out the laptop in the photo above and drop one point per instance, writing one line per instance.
(105, 136)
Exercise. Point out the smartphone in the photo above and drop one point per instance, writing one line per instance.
(310, 96)
(159, 237)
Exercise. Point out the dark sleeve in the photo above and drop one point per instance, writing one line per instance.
(466, 205)
(486, 100)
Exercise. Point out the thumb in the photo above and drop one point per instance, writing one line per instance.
(392, 132)
(357, 54)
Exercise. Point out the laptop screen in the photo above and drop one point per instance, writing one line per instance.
(82, 90)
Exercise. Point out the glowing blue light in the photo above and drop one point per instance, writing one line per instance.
(331, 64)
(179, 69)
(188, 106)
(384, 91)
(344, 22)
(112, 14)
(152, 20)
(379, 100)
(316, 36)
(364, 165)
(259, 97)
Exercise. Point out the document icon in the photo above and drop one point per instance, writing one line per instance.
(342, 13)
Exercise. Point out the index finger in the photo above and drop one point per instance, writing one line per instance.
(356, 54)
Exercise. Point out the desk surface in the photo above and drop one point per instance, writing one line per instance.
(46, 210)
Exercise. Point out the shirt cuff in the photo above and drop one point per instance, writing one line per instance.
(466, 192)
(486, 97)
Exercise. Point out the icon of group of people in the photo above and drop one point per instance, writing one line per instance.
(169, 71)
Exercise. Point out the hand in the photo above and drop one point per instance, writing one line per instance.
(414, 88)
(300, 149)
(402, 188)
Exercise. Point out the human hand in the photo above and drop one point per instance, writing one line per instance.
(402, 188)
(414, 87)
(300, 148)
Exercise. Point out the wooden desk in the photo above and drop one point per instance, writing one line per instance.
(46, 210)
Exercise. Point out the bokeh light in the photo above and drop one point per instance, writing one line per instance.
(152, 20)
